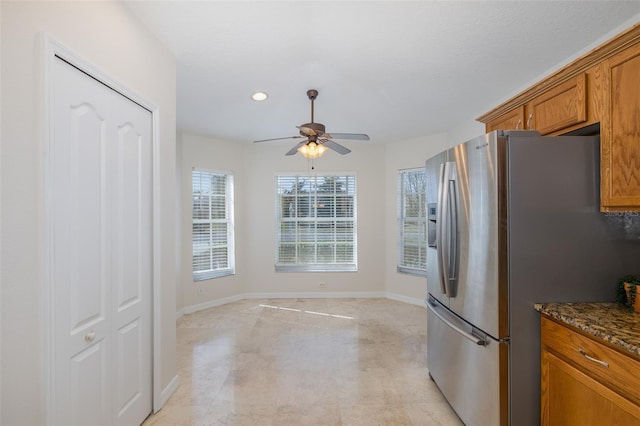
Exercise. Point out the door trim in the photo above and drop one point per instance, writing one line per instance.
(51, 48)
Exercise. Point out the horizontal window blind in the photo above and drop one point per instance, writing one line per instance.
(316, 223)
(412, 224)
(212, 231)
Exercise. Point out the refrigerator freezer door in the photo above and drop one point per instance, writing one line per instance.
(471, 376)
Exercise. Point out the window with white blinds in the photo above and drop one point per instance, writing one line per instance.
(412, 224)
(316, 223)
(212, 232)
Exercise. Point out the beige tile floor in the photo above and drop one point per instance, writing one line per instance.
(305, 362)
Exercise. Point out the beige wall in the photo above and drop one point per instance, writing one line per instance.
(255, 168)
(406, 155)
(211, 154)
(264, 161)
(106, 35)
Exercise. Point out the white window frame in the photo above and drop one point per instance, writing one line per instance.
(296, 266)
(420, 221)
(229, 268)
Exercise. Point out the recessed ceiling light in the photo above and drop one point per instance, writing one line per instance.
(259, 96)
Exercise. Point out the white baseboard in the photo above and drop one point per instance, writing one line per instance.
(406, 299)
(167, 392)
(210, 304)
(316, 295)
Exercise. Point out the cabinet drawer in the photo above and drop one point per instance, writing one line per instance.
(561, 107)
(621, 372)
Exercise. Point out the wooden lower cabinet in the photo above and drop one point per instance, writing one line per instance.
(584, 382)
(570, 397)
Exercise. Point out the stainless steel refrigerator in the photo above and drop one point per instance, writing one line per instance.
(513, 219)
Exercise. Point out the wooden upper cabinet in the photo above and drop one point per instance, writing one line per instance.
(559, 108)
(620, 133)
(603, 86)
(512, 120)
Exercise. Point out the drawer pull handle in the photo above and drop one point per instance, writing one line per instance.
(590, 358)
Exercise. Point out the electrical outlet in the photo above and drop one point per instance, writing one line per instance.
(322, 284)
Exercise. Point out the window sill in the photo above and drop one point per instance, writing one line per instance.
(316, 268)
(202, 276)
(412, 271)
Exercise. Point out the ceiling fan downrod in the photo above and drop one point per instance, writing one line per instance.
(312, 94)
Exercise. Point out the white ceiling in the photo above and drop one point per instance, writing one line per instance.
(393, 69)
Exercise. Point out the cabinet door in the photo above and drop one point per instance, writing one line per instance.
(559, 108)
(606, 365)
(512, 120)
(620, 133)
(570, 397)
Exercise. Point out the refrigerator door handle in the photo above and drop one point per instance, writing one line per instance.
(440, 225)
(452, 248)
(434, 308)
(447, 230)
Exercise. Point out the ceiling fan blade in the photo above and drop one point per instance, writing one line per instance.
(352, 136)
(278, 139)
(336, 147)
(294, 150)
(307, 130)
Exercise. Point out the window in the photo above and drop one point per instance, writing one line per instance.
(213, 236)
(316, 223)
(412, 225)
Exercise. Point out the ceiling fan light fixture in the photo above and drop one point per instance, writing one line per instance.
(259, 96)
(314, 132)
(312, 150)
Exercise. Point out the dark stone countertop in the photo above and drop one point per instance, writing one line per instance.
(607, 321)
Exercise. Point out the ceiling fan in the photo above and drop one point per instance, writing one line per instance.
(316, 138)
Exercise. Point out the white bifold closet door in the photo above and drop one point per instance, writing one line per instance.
(101, 252)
